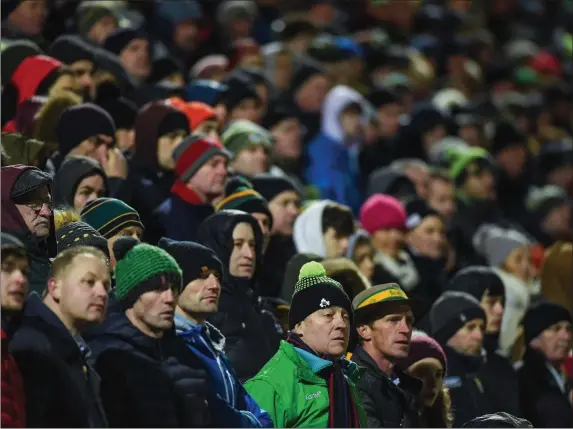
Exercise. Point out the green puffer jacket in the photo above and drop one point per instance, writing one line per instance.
(290, 391)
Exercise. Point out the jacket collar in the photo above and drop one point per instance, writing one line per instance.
(188, 195)
(187, 329)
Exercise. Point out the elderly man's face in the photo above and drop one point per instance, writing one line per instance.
(36, 210)
(326, 331)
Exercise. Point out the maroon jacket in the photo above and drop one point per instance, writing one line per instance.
(13, 396)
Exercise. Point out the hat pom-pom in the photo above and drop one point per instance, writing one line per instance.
(122, 246)
(311, 269)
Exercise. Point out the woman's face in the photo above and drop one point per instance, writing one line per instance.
(428, 237)
(89, 189)
(431, 372)
(518, 263)
(388, 241)
(364, 259)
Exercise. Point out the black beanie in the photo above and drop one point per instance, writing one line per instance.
(542, 315)
(70, 48)
(194, 259)
(505, 136)
(164, 67)
(239, 88)
(304, 72)
(417, 209)
(270, 186)
(14, 54)
(278, 112)
(450, 312)
(476, 280)
(120, 38)
(122, 111)
(553, 155)
(175, 120)
(381, 96)
(80, 234)
(81, 122)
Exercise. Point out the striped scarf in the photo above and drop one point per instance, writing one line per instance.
(342, 407)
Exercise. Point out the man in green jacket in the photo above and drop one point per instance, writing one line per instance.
(308, 382)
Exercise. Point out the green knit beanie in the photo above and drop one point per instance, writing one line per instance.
(242, 133)
(467, 160)
(109, 216)
(315, 291)
(142, 268)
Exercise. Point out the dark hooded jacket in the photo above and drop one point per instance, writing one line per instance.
(149, 184)
(39, 250)
(251, 332)
(62, 389)
(72, 171)
(143, 384)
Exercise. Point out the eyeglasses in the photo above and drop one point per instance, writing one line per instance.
(38, 204)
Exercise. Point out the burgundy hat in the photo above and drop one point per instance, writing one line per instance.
(422, 346)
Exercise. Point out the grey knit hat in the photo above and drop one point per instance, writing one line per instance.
(496, 243)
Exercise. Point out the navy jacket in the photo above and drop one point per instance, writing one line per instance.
(62, 389)
(231, 405)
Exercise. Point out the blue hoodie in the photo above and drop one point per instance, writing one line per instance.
(332, 161)
(232, 406)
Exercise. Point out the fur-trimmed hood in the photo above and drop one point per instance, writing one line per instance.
(347, 273)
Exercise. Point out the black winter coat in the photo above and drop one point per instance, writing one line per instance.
(142, 382)
(386, 404)
(62, 389)
(467, 393)
(252, 334)
(545, 403)
(499, 379)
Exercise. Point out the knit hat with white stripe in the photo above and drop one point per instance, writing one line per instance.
(315, 291)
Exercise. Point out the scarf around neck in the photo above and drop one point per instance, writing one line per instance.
(342, 407)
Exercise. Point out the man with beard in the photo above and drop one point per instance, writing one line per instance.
(27, 214)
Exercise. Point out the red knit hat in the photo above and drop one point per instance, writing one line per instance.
(30, 74)
(196, 112)
(422, 346)
(194, 151)
(382, 211)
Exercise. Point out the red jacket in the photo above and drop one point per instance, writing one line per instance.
(13, 396)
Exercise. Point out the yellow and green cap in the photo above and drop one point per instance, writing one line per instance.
(374, 300)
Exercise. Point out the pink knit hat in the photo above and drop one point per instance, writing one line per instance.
(422, 346)
(382, 211)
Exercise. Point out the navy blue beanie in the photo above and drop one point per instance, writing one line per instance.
(120, 38)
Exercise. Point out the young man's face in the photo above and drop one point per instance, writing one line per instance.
(201, 296)
(131, 231)
(81, 290)
(287, 138)
(441, 197)
(336, 244)
(364, 259)
(469, 338)
(243, 258)
(102, 29)
(90, 188)
(311, 95)
(83, 71)
(350, 121)
(555, 341)
(29, 17)
(429, 237)
(265, 224)
(284, 208)
(209, 128)
(165, 146)
(390, 335)
(185, 36)
(135, 59)
(14, 286)
(388, 119)
(247, 109)
(480, 186)
(252, 160)
(492, 305)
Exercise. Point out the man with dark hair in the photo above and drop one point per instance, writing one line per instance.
(384, 324)
(62, 389)
(442, 194)
(324, 228)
